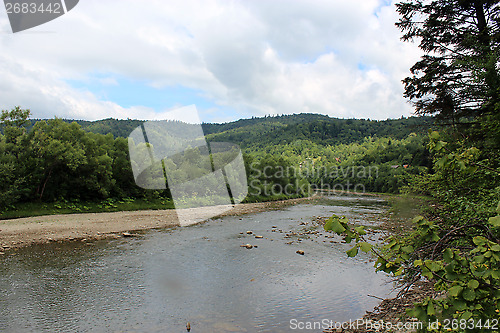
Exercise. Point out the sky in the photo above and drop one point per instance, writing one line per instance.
(231, 59)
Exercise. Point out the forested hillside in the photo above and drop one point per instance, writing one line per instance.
(60, 162)
(261, 132)
(271, 130)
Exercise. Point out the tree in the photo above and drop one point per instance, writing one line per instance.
(16, 117)
(13, 146)
(57, 151)
(459, 74)
(456, 246)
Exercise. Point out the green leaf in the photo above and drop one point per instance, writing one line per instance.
(460, 305)
(430, 309)
(498, 208)
(435, 237)
(418, 312)
(365, 247)
(427, 273)
(440, 145)
(417, 219)
(433, 265)
(479, 240)
(473, 284)
(466, 315)
(469, 295)
(455, 291)
(494, 221)
(434, 135)
(479, 259)
(334, 225)
(442, 161)
(448, 255)
(407, 249)
(352, 252)
(360, 230)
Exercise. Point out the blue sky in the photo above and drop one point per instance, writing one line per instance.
(231, 59)
(136, 93)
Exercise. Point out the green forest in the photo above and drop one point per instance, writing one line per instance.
(65, 165)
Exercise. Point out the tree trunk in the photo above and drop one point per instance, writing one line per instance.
(482, 26)
(45, 182)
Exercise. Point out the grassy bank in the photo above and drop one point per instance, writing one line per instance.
(75, 207)
(110, 205)
(402, 206)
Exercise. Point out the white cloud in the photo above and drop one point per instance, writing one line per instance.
(258, 57)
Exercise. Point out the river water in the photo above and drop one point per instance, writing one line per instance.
(199, 274)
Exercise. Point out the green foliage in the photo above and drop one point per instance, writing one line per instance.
(373, 165)
(259, 134)
(456, 246)
(471, 279)
(458, 79)
(472, 282)
(63, 159)
(340, 226)
(459, 75)
(57, 161)
(13, 180)
(16, 118)
(270, 176)
(26, 209)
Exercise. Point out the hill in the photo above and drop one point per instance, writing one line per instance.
(256, 133)
(260, 132)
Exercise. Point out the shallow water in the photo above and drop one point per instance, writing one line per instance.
(165, 278)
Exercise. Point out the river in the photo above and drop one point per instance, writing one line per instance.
(199, 274)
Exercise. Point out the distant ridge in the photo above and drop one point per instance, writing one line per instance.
(273, 130)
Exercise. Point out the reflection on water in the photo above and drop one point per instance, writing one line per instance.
(162, 280)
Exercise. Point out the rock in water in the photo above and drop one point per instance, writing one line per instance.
(301, 252)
